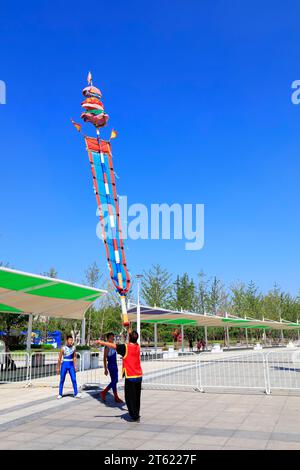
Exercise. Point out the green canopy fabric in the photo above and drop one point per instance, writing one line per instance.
(21, 292)
(179, 321)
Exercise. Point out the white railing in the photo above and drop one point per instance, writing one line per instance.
(35, 369)
(43, 370)
(283, 369)
(257, 370)
(91, 370)
(264, 371)
(14, 368)
(242, 371)
(179, 371)
(44, 365)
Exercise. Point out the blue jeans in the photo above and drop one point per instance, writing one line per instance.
(67, 367)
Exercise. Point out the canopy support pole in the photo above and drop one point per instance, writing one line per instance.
(29, 332)
(227, 337)
(182, 338)
(264, 334)
(155, 338)
(82, 342)
(246, 334)
(282, 336)
(205, 335)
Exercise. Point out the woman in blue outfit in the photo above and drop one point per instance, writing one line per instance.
(111, 367)
(67, 363)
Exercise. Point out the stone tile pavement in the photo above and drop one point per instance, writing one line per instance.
(34, 419)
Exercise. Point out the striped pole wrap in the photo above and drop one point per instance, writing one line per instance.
(100, 157)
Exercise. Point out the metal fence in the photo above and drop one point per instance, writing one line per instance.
(15, 368)
(257, 371)
(283, 369)
(91, 370)
(178, 371)
(265, 371)
(243, 371)
(25, 369)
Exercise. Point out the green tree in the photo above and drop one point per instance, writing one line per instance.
(4, 264)
(237, 305)
(108, 318)
(92, 275)
(216, 297)
(273, 304)
(202, 295)
(156, 287)
(247, 301)
(51, 273)
(184, 297)
(92, 279)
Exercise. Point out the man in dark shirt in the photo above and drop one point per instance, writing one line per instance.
(132, 371)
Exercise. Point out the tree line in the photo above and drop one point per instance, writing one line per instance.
(210, 296)
(182, 293)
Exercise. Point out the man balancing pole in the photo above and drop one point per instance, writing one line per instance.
(131, 370)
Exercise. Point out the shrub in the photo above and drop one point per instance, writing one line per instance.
(17, 347)
(83, 347)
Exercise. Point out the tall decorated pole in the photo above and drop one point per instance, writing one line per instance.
(100, 157)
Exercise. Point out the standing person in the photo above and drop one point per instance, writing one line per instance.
(132, 371)
(111, 366)
(67, 363)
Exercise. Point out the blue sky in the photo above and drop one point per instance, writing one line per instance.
(200, 93)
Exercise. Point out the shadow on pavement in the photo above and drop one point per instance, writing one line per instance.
(109, 402)
(128, 418)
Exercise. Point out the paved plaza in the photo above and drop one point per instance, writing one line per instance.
(33, 419)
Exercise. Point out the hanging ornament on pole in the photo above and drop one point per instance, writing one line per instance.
(100, 157)
(90, 79)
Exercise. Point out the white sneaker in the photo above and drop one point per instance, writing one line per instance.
(78, 395)
(59, 397)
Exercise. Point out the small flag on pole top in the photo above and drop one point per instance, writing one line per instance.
(89, 78)
(77, 126)
(113, 134)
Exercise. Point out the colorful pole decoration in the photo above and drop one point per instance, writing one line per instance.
(100, 156)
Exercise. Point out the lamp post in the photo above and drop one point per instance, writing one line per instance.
(138, 307)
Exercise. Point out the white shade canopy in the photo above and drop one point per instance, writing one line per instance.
(167, 316)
